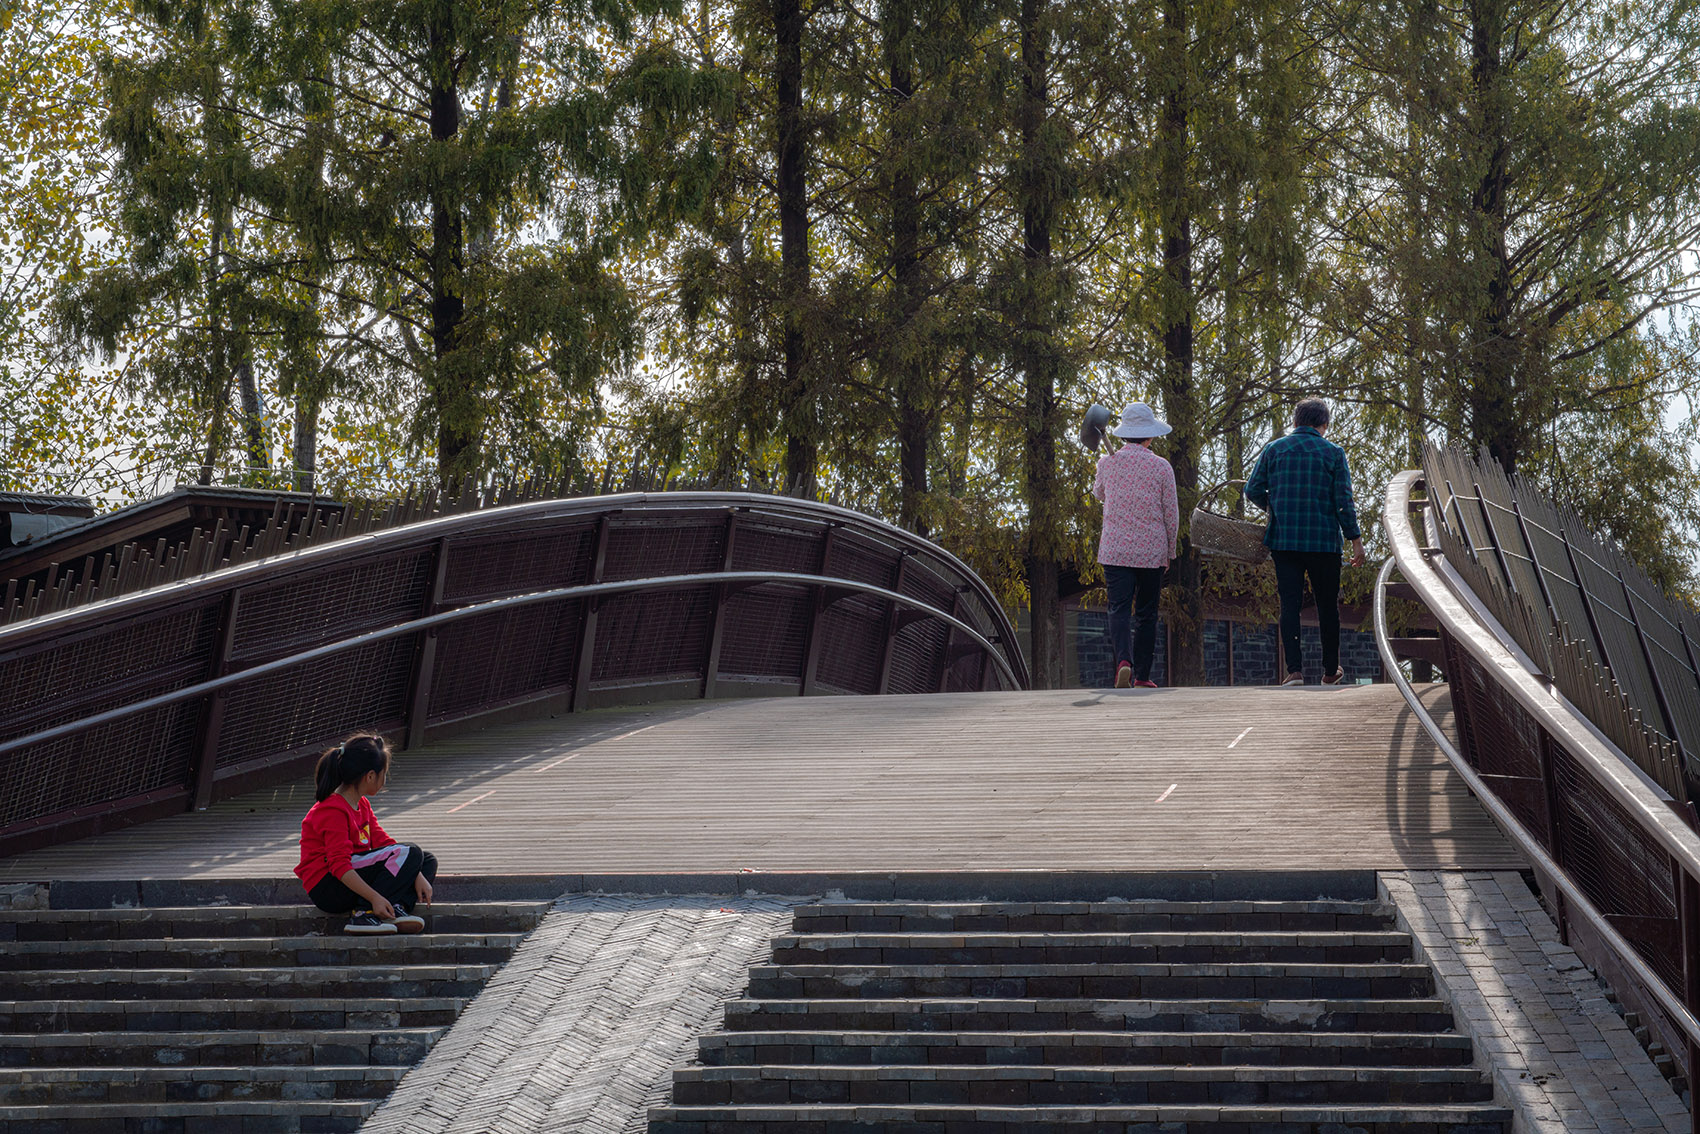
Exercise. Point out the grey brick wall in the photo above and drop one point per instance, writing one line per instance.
(1254, 653)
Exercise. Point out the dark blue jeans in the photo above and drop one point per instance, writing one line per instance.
(1134, 594)
(1323, 567)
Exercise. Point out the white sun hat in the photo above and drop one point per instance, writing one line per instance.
(1138, 423)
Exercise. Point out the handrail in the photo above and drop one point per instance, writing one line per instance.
(1610, 768)
(586, 590)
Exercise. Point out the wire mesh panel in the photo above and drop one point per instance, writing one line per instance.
(917, 657)
(852, 646)
(137, 756)
(505, 656)
(1504, 742)
(862, 561)
(652, 635)
(764, 544)
(766, 634)
(65, 678)
(317, 702)
(1624, 872)
(488, 565)
(968, 673)
(338, 600)
(643, 547)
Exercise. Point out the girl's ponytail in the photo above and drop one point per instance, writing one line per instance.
(348, 762)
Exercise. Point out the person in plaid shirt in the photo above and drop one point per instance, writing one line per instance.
(1303, 482)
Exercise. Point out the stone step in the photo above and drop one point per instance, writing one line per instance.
(1087, 1048)
(1090, 917)
(795, 1119)
(1291, 981)
(1043, 1014)
(332, 980)
(311, 1116)
(1019, 1085)
(346, 1047)
(261, 952)
(137, 923)
(42, 1016)
(1202, 947)
(73, 1086)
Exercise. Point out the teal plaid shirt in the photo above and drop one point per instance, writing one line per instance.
(1303, 483)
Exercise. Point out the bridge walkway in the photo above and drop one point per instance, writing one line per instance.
(1072, 780)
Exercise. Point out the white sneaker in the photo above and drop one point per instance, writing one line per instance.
(406, 922)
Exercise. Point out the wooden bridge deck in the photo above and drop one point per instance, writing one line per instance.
(1135, 780)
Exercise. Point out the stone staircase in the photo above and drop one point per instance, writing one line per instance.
(227, 1018)
(1228, 1017)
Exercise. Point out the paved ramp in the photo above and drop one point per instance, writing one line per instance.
(1146, 780)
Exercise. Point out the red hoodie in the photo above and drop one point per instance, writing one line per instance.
(332, 834)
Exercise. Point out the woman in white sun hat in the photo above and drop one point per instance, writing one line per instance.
(1142, 524)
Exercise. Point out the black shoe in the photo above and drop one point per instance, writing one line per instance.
(367, 922)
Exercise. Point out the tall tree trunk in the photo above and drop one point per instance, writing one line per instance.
(306, 448)
(253, 419)
(1036, 352)
(1492, 397)
(797, 402)
(218, 374)
(459, 415)
(913, 401)
(1180, 398)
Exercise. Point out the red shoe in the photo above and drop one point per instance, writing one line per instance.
(1144, 684)
(1294, 678)
(1124, 676)
(1338, 677)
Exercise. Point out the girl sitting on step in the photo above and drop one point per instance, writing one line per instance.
(349, 865)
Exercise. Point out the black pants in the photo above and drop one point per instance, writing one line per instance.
(1134, 595)
(1323, 567)
(333, 897)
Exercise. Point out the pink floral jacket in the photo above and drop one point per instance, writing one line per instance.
(1142, 518)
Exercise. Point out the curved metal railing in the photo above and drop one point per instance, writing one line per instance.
(1598, 829)
(174, 697)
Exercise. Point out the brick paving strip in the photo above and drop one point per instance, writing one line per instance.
(581, 1030)
(1562, 1057)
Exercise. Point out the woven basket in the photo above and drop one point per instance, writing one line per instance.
(1217, 534)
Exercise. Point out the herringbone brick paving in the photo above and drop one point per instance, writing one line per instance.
(581, 1030)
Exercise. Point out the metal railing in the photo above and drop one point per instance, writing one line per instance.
(1619, 853)
(178, 696)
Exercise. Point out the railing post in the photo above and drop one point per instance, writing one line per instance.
(717, 615)
(587, 627)
(425, 655)
(811, 654)
(1540, 578)
(891, 627)
(206, 757)
(1555, 828)
(949, 634)
(1688, 910)
(1493, 538)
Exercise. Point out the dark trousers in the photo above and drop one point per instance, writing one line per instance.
(1323, 567)
(333, 897)
(1134, 594)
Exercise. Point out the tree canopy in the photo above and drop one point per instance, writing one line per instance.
(882, 250)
